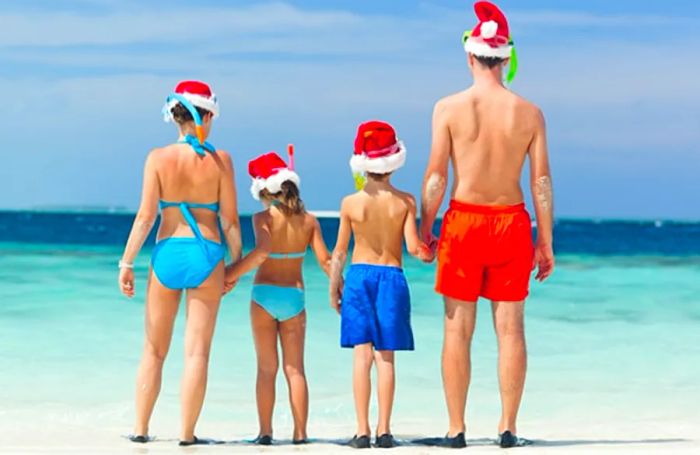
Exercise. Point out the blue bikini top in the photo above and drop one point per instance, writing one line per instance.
(287, 255)
(214, 206)
(200, 148)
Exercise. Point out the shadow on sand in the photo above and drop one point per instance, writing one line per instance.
(550, 443)
(433, 442)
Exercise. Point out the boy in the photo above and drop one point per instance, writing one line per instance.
(374, 303)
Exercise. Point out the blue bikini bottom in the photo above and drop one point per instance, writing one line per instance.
(185, 262)
(280, 302)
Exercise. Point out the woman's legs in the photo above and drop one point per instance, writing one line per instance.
(265, 336)
(202, 308)
(385, 389)
(362, 387)
(292, 334)
(161, 309)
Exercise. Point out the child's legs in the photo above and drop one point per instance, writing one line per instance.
(292, 334)
(362, 387)
(385, 388)
(265, 337)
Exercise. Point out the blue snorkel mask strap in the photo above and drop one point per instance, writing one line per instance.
(197, 143)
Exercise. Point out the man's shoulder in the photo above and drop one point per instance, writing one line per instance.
(451, 100)
(349, 202)
(525, 105)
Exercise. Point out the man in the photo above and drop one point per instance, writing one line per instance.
(485, 247)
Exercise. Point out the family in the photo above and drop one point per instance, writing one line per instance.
(485, 249)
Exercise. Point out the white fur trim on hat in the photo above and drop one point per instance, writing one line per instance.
(210, 104)
(273, 184)
(384, 165)
(481, 49)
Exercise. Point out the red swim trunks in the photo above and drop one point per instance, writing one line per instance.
(485, 251)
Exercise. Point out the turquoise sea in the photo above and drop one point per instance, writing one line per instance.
(614, 342)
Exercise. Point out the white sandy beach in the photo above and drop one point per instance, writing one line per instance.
(651, 437)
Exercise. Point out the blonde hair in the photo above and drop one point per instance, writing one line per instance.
(288, 197)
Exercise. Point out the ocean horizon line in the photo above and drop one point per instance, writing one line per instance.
(123, 211)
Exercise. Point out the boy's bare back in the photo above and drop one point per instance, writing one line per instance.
(378, 216)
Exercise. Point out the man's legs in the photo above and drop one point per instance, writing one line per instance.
(460, 317)
(512, 359)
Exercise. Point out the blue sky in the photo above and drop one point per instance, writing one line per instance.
(85, 80)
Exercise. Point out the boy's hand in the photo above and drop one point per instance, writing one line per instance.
(337, 296)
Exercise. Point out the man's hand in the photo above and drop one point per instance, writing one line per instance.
(126, 281)
(543, 260)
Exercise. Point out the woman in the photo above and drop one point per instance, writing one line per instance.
(193, 184)
(283, 232)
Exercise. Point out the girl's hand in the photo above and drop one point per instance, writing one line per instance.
(126, 281)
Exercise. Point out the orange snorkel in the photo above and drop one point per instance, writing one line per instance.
(290, 153)
(199, 130)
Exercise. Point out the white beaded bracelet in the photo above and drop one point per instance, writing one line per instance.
(126, 265)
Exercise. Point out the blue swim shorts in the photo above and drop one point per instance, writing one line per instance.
(376, 308)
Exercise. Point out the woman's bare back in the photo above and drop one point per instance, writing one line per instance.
(185, 176)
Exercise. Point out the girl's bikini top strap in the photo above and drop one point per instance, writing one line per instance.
(287, 255)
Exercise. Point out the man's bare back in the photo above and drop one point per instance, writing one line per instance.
(490, 132)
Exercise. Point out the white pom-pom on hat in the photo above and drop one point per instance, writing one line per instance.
(489, 29)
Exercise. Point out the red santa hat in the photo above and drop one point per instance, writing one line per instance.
(491, 36)
(269, 172)
(377, 150)
(196, 92)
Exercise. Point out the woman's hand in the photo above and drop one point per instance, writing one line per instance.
(126, 281)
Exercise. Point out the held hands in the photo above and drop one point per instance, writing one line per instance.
(230, 279)
(126, 281)
(543, 260)
(429, 249)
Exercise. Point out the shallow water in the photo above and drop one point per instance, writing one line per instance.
(614, 342)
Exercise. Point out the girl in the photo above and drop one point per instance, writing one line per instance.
(192, 183)
(283, 231)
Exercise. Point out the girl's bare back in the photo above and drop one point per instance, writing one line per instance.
(288, 234)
